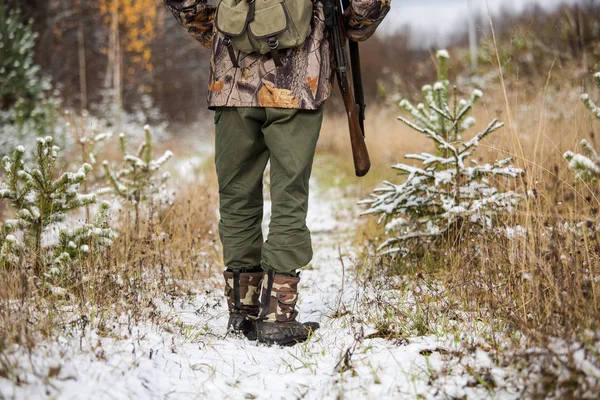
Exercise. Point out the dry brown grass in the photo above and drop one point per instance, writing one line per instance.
(544, 283)
(171, 256)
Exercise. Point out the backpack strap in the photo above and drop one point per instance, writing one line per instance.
(273, 43)
(229, 46)
(251, 9)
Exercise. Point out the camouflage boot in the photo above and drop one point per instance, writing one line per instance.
(277, 319)
(242, 290)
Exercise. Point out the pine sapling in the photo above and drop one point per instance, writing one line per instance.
(41, 196)
(91, 142)
(8, 245)
(90, 146)
(436, 114)
(587, 165)
(84, 241)
(450, 192)
(137, 180)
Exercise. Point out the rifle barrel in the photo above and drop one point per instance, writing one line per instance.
(345, 4)
(359, 94)
(352, 92)
(357, 82)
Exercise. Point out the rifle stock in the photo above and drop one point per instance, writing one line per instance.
(360, 153)
(353, 99)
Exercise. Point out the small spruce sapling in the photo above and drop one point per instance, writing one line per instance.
(436, 114)
(450, 192)
(8, 245)
(40, 196)
(79, 243)
(586, 166)
(90, 143)
(137, 180)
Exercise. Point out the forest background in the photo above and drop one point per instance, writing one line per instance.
(529, 272)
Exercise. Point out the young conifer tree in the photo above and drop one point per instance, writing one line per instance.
(450, 192)
(137, 180)
(586, 166)
(8, 245)
(80, 243)
(41, 197)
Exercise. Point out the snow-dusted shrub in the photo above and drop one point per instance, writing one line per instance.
(450, 192)
(92, 144)
(586, 166)
(90, 141)
(27, 108)
(8, 245)
(40, 196)
(435, 113)
(81, 242)
(138, 179)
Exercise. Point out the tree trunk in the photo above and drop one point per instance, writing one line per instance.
(112, 80)
(82, 68)
(38, 250)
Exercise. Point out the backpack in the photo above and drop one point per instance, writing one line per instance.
(264, 26)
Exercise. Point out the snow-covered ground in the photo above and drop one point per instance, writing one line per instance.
(192, 358)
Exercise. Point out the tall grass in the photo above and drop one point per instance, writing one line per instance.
(169, 257)
(543, 278)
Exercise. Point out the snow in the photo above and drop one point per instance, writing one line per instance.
(102, 136)
(192, 357)
(579, 161)
(138, 162)
(154, 165)
(443, 54)
(199, 361)
(438, 86)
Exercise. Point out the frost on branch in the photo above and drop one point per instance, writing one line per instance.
(435, 114)
(79, 243)
(450, 191)
(40, 196)
(91, 144)
(587, 165)
(138, 179)
(8, 245)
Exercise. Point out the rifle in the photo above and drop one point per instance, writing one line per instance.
(353, 95)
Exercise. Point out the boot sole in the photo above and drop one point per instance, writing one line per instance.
(282, 343)
(311, 327)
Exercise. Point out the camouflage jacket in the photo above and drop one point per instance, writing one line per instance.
(304, 81)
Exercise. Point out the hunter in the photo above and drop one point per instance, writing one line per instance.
(271, 71)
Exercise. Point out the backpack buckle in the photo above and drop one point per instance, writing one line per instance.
(273, 43)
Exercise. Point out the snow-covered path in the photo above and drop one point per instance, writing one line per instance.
(197, 360)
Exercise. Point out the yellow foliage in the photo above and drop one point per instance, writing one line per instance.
(137, 21)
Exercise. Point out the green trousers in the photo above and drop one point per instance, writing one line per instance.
(246, 139)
